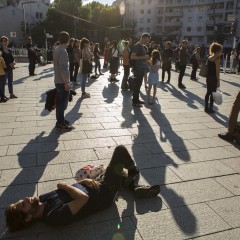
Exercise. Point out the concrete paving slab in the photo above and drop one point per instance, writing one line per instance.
(228, 209)
(192, 192)
(180, 223)
(234, 163)
(21, 161)
(232, 183)
(3, 150)
(232, 234)
(209, 142)
(202, 170)
(35, 174)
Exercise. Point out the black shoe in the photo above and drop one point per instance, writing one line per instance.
(226, 136)
(210, 110)
(66, 122)
(137, 105)
(12, 96)
(182, 86)
(3, 100)
(141, 102)
(115, 80)
(132, 175)
(168, 81)
(147, 191)
(64, 126)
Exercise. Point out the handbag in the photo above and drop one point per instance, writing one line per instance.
(217, 97)
(204, 70)
(87, 67)
(89, 171)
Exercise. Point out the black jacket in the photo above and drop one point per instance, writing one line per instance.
(51, 99)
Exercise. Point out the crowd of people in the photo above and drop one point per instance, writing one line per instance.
(71, 56)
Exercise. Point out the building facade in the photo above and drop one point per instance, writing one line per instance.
(20, 16)
(199, 21)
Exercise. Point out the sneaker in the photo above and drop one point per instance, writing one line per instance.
(182, 86)
(226, 136)
(3, 100)
(141, 102)
(64, 126)
(147, 191)
(86, 95)
(12, 96)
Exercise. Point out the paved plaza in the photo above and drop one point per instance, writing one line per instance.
(173, 142)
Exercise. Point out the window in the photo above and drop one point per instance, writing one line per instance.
(200, 19)
(40, 15)
(149, 11)
(141, 29)
(37, 15)
(142, 2)
(142, 11)
(13, 12)
(189, 29)
(141, 20)
(199, 29)
(148, 29)
(148, 20)
(189, 19)
(189, 39)
(149, 1)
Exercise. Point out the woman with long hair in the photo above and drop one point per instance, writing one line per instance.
(87, 65)
(96, 54)
(153, 77)
(9, 61)
(76, 59)
(114, 61)
(126, 66)
(213, 74)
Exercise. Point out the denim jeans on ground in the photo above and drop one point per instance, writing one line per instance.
(84, 80)
(9, 77)
(2, 86)
(61, 102)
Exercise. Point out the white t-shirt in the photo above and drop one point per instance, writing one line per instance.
(114, 52)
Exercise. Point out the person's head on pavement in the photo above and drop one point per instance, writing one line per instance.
(23, 213)
(64, 38)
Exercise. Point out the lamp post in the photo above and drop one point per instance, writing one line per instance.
(122, 9)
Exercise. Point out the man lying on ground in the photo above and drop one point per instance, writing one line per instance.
(74, 202)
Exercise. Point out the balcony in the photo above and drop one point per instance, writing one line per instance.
(171, 24)
(173, 14)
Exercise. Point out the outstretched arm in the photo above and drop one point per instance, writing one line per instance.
(79, 197)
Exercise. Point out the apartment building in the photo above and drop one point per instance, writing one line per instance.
(199, 21)
(20, 16)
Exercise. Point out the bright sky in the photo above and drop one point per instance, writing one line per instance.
(109, 2)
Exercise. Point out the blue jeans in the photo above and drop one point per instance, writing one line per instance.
(2, 86)
(61, 103)
(9, 77)
(84, 80)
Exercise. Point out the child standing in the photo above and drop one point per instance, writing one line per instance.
(2, 79)
(153, 77)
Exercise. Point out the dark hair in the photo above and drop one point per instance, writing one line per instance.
(155, 56)
(63, 37)
(15, 219)
(83, 42)
(4, 38)
(114, 44)
(146, 35)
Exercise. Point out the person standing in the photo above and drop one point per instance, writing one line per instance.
(9, 61)
(2, 79)
(126, 66)
(61, 80)
(96, 54)
(70, 58)
(114, 61)
(213, 74)
(76, 60)
(195, 60)
(32, 57)
(183, 59)
(106, 50)
(87, 65)
(153, 77)
(167, 56)
(139, 55)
